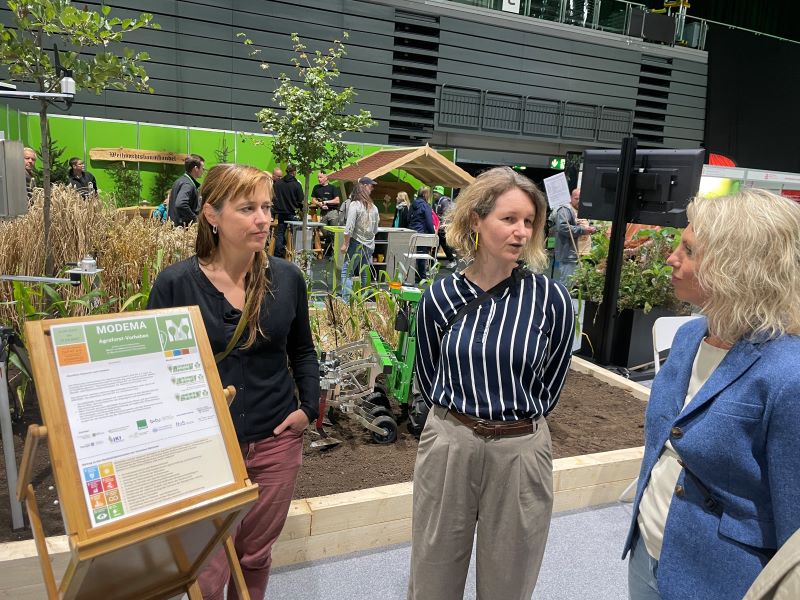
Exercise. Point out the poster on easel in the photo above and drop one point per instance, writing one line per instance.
(140, 412)
(145, 458)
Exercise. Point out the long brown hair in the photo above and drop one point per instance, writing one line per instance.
(361, 194)
(224, 183)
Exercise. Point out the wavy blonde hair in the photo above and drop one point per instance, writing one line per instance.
(480, 197)
(222, 184)
(747, 254)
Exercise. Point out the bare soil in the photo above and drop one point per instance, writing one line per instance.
(591, 416)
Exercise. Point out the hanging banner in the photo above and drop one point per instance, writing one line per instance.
(136, 155)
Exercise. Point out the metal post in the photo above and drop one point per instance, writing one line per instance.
(681, 22)
(17, 521)
(608, 308)
(562, 12)
(596, 15)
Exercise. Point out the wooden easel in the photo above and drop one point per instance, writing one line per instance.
(156, 554)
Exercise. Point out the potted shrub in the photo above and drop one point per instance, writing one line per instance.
(645, 293)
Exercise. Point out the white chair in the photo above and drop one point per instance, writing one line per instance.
(421, 246)
(664, 330)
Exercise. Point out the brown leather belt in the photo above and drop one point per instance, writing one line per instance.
(495, 429)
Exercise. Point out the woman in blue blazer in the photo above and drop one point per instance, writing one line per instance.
(719, 487)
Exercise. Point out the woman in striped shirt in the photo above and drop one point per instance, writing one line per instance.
(491, 376)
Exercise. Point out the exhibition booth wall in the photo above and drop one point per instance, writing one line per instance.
(79, 135)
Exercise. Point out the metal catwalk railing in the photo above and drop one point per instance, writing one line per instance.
(614, 16)
(485, 110)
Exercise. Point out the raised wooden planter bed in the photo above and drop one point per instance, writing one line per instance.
(348, 522)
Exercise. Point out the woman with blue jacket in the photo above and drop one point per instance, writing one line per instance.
(719, 486)
(420, 219)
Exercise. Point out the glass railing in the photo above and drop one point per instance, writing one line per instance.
(615, 16)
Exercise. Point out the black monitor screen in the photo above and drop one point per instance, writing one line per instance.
(663, 183)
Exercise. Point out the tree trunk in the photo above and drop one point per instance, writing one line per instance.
(45, 134)
(307, 178)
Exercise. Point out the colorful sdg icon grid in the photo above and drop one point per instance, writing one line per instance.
(101, 483)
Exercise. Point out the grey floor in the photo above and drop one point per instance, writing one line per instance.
(581, 562)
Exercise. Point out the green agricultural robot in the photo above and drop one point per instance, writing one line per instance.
(366, 380)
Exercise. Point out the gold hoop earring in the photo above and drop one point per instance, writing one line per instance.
(476, 240)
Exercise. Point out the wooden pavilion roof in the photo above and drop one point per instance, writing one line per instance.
(424, 163)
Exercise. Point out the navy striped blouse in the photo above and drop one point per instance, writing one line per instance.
(507, 360)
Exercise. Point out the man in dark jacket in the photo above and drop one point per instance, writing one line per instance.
(287, 200)
(420, 219)
(184, 199)
(80, 178)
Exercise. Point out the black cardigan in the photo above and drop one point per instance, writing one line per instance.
(265, 385)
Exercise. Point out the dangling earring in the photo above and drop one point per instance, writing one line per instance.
(214, 230)
(476, 240)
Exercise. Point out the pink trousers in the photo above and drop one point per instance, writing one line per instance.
(273, 464)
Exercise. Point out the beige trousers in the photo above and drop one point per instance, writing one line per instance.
(504, 486)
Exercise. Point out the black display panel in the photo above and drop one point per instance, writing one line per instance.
(663, 183)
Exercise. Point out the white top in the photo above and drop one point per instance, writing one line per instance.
(657, 496)
(361, 224)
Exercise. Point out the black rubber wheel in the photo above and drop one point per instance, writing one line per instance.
(379, 411)
(386, 422)
(417, 415)
(379, 399)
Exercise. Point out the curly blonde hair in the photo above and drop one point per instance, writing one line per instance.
(480, 198)
(747, 253)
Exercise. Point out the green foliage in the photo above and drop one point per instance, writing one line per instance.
(59, 167)
(646, 278)
(310, 119)
(127, 184)
(309, 130)
(25, 50)
(223, 152)
(162, 184)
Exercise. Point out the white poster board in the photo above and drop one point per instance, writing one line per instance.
(511, 5)
(140, 413)
(557, 190)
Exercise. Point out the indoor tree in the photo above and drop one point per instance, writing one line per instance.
(28, 51)
(310, 120)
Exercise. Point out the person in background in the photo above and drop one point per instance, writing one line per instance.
(401, 211)
(358, 242)
(160, 211)
(567, 233)
(718, 487)
(325, 197)
(420, 219)
(29, 160)
(80, 178)
(491, 375)
(184, 199)
(231, 278)
(442, 204)
(288, 200)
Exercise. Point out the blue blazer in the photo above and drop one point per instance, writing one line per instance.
(740, 435)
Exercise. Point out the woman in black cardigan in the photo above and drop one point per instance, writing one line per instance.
(231, 278)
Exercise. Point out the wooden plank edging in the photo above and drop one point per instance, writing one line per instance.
(338, 524)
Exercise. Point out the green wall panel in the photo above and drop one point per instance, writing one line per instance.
(68, 134)
(167, 139)
(108, 134)
(211, 145)
(244, 148)
(255, 150)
